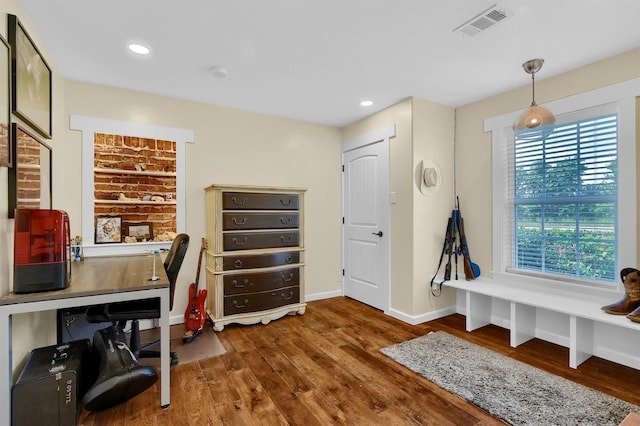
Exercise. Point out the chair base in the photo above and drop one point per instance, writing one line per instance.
(144, 352)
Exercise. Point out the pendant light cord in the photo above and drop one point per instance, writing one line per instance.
(533, 89)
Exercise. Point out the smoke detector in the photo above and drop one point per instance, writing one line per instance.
(482, 21)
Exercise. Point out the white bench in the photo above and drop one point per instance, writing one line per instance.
(583, 311)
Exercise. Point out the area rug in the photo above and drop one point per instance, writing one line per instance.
(206, 345)
(509, 390)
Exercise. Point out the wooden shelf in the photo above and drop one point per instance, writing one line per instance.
(135, 202)
(133, 172)
(29, 166)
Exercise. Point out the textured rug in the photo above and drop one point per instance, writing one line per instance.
(507, 389)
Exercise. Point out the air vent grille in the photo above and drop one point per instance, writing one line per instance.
(482, 21)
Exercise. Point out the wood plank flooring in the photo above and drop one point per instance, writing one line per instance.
(324, 368)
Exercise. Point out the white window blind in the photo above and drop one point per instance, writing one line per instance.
(561, 192)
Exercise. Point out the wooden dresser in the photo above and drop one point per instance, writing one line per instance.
(255, 260)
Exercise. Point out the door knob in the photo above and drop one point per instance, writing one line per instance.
(379, 233)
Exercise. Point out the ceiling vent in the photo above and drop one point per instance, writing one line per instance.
(482, 21)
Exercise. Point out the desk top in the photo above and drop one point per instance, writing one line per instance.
(102, 275)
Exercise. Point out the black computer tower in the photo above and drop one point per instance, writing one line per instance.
(73, 325)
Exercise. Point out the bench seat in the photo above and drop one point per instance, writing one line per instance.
(527, 301)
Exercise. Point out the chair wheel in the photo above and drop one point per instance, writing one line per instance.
(174, 358)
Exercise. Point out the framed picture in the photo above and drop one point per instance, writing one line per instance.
(142, 231)
(6, 157)
(30, 80)
(30, 177)
(108, 229)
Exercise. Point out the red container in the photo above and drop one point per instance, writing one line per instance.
(42, 251)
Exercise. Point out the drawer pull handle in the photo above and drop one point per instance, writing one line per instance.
(288, 259)
(237, 263)
(286, 238)
(238, 243)
(288, 298)
(235, 303)
(236, 284)
(237, 222)
(285, 202)
(287, 279)
(286, 220)
(240, 202)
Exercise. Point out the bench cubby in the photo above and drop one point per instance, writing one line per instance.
(569, 318)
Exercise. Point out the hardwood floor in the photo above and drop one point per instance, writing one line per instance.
(324, 368)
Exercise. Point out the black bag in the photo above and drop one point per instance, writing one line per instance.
(120, 377)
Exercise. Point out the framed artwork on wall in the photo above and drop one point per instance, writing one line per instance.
(6, 157)
(108, 229)
(29, 179)
(30, 80)
(141, 231)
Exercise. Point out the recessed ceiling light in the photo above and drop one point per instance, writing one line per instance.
(366, 103)
(218, 71)
(139, 49)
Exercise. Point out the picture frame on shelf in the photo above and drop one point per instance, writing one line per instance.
(6, 154)
(29, 179)
(142, 231)
(30, 80)
(108, 229)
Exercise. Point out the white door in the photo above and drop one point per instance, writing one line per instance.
(366, 223)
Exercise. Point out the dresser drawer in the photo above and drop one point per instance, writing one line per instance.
(257, 240)
(259, 201)
(250, 261)
(260, 281)
(252, 302)
(257, 220)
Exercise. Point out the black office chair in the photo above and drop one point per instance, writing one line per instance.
(120, 312)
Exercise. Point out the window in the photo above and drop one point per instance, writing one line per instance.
(565, 199)
(564, 203)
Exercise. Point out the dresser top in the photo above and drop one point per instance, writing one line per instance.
(248, 188)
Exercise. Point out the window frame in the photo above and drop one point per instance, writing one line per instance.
(89, 126)
(623, 95)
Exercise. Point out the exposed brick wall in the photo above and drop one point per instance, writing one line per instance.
(131, 189)
(28, 175)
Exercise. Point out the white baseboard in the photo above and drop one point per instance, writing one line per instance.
(419, 319)
(147, 324)
(325, 295)
(619, 357)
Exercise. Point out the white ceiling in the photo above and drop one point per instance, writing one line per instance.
(315, 60)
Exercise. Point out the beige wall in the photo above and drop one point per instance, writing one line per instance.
(473, 149)
(34, 330)
(401, 179)
(424, 131)
(231, 147)
(246, 148)
(433, 131)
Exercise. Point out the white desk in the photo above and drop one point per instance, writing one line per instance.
(94, 281)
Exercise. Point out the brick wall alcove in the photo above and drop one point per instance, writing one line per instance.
(134, 171)
(135, 178)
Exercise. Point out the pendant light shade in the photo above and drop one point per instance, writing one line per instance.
(535, 117)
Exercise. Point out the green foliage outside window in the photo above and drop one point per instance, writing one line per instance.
(566, 201)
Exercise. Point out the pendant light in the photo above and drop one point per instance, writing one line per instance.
(535, 118)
